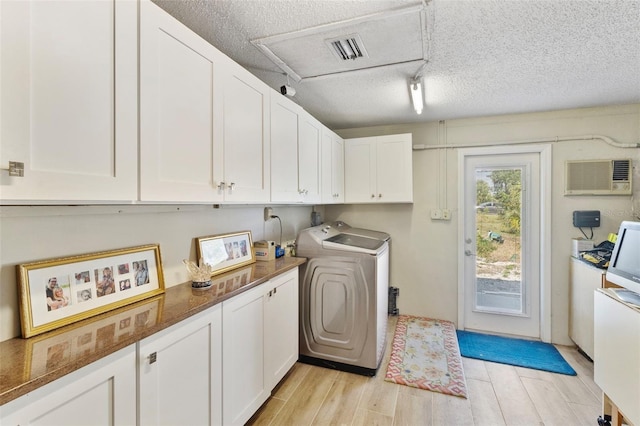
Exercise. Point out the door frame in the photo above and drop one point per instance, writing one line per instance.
(544, 234)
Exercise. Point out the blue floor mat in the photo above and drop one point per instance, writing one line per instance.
(518, 352)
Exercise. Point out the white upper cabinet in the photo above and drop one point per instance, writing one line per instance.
(295, 153)
(204, 131)
(242, 159)
(177, 70)
(284, 150)
(69, 93)
(332, 171)
(309, 142)
(379, 169)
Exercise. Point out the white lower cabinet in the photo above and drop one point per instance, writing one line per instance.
(260, 344)
(281, 326)
(216, 367)
(243, 356)
(100, 393)
(180, 373)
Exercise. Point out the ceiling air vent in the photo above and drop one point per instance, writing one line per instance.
(347, 48)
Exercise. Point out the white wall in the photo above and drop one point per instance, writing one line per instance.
(424, 252)
(34, 233)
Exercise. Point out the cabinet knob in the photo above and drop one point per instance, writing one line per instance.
(379, 195)
(221, 186)
(373, 195)
(232, 186)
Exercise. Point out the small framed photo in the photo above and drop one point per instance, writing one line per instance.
(57, 292)
(226, 252)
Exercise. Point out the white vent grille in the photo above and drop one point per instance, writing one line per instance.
(598, 177)
(347, 48)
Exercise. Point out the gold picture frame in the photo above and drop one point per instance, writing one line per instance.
(57, 292)
(226, 252)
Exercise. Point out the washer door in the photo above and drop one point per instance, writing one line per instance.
(335, 309)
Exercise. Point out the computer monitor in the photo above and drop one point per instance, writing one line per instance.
(624, 266)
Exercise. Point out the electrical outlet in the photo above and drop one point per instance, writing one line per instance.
(268, 212)
(446, 214)
(436, 214)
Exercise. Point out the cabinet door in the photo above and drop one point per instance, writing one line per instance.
(584, 281)
(394, 172)
(360, 170)
(337, 169)
(243, 356)
(177, 70)
(281, 326)
(243, 108)
(180, 372)
(69, 100)
(101, 393)
(326, 161)
(309, 140)
(332, 168)
(284, 150)
(617, 354)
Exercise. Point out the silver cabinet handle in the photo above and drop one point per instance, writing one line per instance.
(153, 358)
(232, 186)
(221, 186)
(15, 169)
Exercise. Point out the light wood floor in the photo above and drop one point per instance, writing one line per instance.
(498, 395)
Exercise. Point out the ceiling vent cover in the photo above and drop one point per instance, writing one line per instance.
(598, 177)
(347, 48)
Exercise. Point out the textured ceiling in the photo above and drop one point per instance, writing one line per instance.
(485, 57)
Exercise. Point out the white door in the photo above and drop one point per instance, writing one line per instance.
(68, 104)
(337, 170)
(177, 70)
(284, 150)
(280, 327)
(243, 378)
(181, 367)
(242, 104)
(502, 264)
(309, 140)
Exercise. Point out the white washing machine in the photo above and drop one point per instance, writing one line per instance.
(343, 298)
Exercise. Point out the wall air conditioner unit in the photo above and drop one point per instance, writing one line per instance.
(597, 177)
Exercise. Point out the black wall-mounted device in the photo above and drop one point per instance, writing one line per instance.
(586, 218)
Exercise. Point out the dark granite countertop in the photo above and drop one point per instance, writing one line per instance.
(27, 364)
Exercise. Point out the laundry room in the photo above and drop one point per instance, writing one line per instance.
(425, 162)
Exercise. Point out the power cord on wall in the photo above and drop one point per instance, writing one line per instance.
(273, 216)
(585, 235)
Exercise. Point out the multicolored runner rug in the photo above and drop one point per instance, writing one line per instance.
(425, 355)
